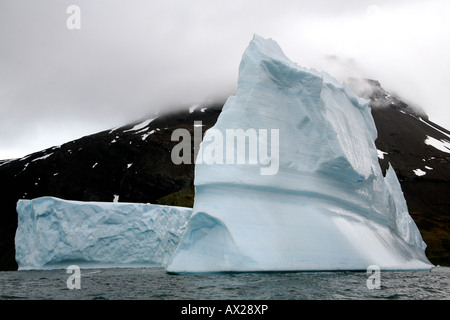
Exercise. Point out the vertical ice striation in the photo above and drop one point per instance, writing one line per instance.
(325, 204)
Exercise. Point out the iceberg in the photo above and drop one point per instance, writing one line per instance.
(327, 206)
(296, 186)
(54, 233)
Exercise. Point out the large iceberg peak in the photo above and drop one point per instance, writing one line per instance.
(327, 205)
(264, 60)
(323, 127)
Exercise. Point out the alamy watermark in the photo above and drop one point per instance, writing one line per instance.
(374, 280)
(74, 280)
(236, 146)
(73, 21)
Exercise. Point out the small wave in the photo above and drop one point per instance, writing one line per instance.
(7, 297)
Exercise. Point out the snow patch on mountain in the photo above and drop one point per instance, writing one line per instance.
(141, 125)
(441, 145)
(419, 172)
(381, 154)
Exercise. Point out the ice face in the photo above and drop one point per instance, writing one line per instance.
(327, 207)
(54, 233)
(404, 224)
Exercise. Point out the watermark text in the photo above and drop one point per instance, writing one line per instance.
(234, 146)
(374, 280)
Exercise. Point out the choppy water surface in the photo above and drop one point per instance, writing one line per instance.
(156, 284)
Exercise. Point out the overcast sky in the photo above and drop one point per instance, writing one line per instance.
(133, 57)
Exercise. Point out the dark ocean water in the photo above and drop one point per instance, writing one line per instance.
(156, 284)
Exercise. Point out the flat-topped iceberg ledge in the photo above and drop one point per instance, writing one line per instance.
(54, 233)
